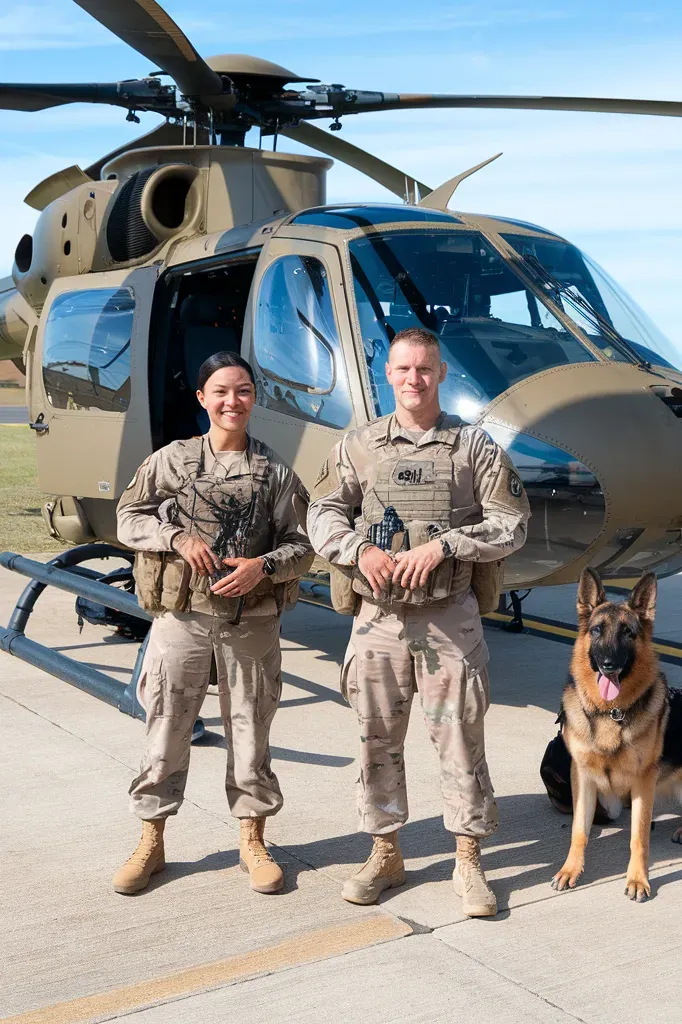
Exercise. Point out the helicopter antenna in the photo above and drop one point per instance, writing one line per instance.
(441, 196)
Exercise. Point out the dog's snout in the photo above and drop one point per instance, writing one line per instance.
(609, 664)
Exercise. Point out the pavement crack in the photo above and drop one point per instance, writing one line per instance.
(62, 728)
(513, 981)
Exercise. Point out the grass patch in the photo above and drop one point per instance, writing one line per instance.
(22, 527)
(12, 396)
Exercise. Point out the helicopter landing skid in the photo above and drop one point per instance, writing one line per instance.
(66, 573)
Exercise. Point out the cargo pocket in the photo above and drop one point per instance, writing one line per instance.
(472, 812)
(268, 672)
(268, 696)
(488, 818)
(477, 680)
(349, 682)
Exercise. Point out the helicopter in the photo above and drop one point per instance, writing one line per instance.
(185, 242)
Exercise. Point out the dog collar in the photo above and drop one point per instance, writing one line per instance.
(617, 714)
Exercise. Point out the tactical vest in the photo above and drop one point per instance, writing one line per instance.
(231, 514)
(409, 500)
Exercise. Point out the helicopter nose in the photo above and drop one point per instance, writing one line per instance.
(599, 453)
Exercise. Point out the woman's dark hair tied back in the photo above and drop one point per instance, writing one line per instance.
(219, 361)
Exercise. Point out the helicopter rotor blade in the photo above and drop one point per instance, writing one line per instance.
(145, 26)
(356, 102)
(143, 94)
(401, 184)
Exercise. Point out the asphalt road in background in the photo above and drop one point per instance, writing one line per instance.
(13, 414)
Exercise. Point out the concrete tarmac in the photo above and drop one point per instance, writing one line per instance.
(199, 946)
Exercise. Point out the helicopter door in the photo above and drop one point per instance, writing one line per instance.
(90, 396)
(300, 345)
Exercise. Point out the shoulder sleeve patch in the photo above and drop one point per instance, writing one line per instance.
(327, 480)
(137, 472)
(515, 485)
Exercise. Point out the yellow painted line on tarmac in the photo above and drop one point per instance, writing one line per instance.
(303, 949)
(542, 627)
(538, 626)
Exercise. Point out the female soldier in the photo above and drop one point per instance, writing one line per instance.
(217, 522)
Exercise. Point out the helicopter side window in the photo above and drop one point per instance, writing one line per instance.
(300, 367)
(86, 349)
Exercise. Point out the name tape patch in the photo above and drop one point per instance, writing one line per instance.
(411, 474)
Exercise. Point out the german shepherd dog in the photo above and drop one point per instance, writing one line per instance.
(617, 724)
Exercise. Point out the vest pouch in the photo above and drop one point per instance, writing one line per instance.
(345, 599)
(175, 582)
(288, 598)
(486, 583)
(439, 584)
(148, 572)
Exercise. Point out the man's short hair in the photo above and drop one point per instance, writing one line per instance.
(416, 336)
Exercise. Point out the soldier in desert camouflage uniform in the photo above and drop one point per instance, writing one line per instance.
(440, 506)
(219, 526)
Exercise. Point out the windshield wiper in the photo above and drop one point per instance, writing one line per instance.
(585, 308)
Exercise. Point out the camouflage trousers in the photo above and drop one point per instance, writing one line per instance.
(172, 687)
(440, 651)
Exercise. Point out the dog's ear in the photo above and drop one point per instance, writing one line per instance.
(590, 594)
(642, 600)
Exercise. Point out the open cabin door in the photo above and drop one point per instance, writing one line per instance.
(89, 386)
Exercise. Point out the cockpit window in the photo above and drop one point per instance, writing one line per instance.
(585, 280)
(493, 331)
(347, 218)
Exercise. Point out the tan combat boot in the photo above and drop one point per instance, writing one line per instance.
(478, 899)
(147, 860)
(264, 874)
(384, 869)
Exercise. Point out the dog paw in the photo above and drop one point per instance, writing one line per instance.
(567, 878)
(676, 837)
(637, 887)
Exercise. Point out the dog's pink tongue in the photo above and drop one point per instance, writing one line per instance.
(608, 688)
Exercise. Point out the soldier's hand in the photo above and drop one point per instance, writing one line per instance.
(247, 573)
(413, 567)
(376, 566)
(197, 553)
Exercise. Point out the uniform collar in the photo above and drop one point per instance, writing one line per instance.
(440, 432)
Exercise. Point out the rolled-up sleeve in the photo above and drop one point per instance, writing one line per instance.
(505, 510)
(330, 516)
(139, 523)
(293, 553)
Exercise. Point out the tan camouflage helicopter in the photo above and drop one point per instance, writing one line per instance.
(185, 242)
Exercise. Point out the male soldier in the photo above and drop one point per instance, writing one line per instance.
(436, 498)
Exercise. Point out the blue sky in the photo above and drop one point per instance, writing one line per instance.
(609, 183)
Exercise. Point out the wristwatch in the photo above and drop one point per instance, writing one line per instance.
(447, 550)
(269, 566)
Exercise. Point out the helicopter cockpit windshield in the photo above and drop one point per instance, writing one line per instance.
(584, 289)
(494, 332)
